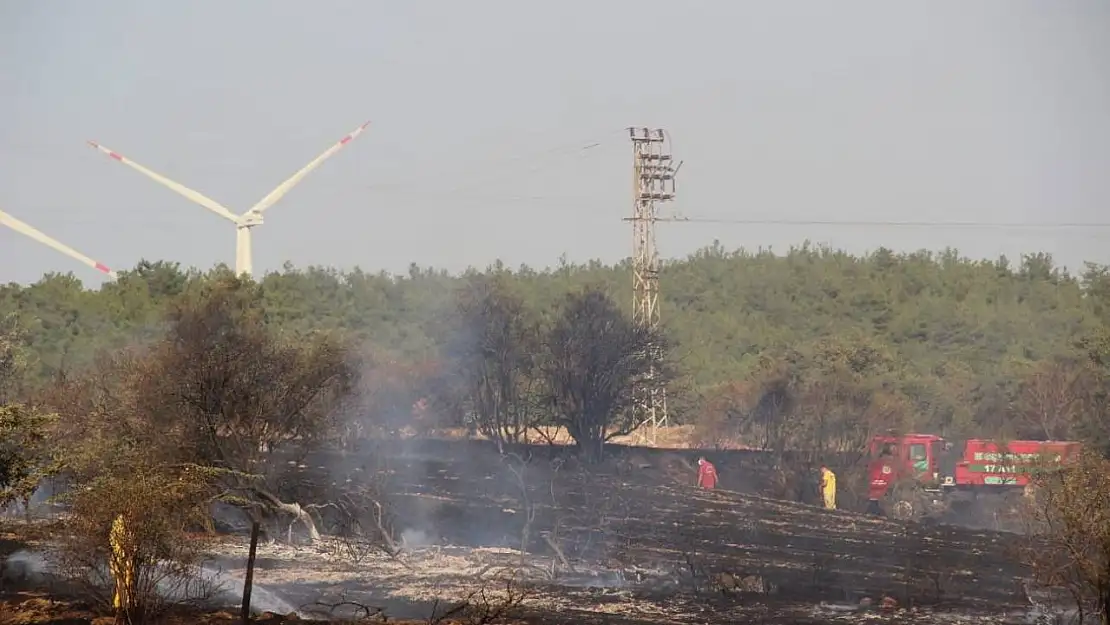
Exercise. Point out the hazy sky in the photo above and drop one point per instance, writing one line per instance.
(993, 110)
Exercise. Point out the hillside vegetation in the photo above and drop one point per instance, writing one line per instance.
(213, 388)
(930, 341)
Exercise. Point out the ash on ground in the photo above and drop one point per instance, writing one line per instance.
(325, 580)
(418, 580)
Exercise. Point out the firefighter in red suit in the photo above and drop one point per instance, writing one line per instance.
(707, 474)
(880, 474)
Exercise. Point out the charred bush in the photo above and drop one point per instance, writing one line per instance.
(498, 601)
(1068, 519)
(131, 541)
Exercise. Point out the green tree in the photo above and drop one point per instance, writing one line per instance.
(25, 456)
(1091, 421)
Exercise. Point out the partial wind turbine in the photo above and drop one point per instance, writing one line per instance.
(31, 232)
(253, 216)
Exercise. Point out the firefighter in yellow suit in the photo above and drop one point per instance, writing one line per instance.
(828, 488)
(122, 564)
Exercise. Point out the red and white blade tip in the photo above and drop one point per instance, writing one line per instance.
(103, 268)
(118, 157)
(354, 134)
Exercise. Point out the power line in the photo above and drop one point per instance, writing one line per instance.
(570, 201)
(887, 224)
(504, 166)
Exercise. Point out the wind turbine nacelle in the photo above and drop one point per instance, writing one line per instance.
(250, 219)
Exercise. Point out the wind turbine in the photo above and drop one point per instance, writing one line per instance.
(253, 216)
(29, 231)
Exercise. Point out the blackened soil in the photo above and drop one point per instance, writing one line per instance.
(639, 510)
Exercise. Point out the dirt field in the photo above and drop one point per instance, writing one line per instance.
(628, 542)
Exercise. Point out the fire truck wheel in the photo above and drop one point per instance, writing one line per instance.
(902, 510)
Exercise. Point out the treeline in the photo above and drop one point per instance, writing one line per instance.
(168, 390)
(926, 341)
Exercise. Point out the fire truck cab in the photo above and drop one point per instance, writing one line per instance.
(916, 456)
(906, 473)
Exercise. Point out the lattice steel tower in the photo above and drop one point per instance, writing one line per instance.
(653, 174)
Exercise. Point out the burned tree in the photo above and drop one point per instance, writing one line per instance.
(1069, 518)
(491, 355)
(593, 355)
(393, 397)
(746, 414)
(223, 390)
(818, 402)
(133, 492)
(1051, 398)
(220, 391)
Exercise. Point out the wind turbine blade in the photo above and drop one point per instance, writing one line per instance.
(273, 196)
(27, 230)
(181, 189)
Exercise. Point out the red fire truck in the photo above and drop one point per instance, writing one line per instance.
(916, 474)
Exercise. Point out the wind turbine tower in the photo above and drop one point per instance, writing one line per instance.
(253, 216)
(33, 233)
